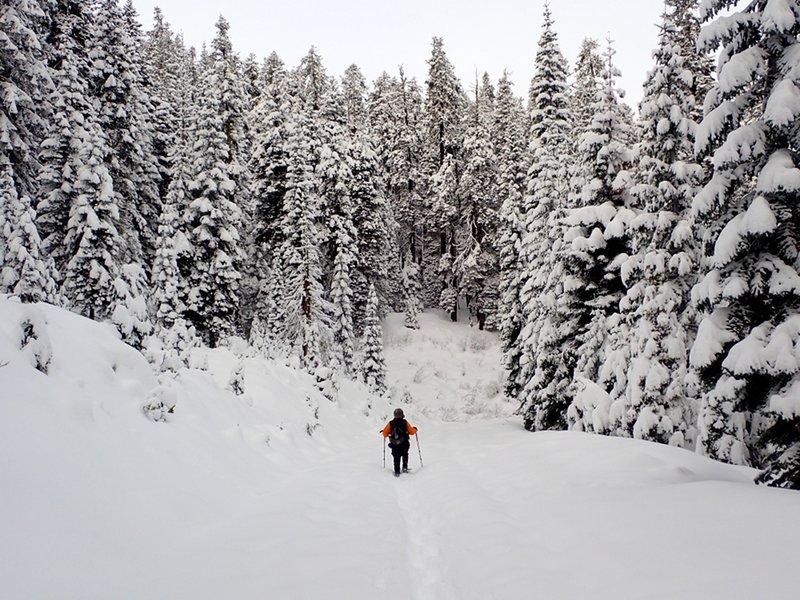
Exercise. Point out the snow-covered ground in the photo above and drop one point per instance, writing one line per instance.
(280, 493)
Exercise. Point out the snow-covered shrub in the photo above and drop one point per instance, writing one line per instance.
(161, 400)
(326, 382)
(236, 381)
(34, 341)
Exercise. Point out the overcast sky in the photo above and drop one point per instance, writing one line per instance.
(378, 35)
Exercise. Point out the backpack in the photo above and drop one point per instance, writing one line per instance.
(399, 433)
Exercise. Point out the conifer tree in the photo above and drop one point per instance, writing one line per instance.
(24, 89)
(750, 296)
(508, 137)
(541, 373)
(374, 223)
(373, 369)
(167, 85)
(125, 114)
(303, 312)
(268, 173)
(651, 400)
(599, 241)
(24, 271)
(214, 215)
(475, 265)
(411, 287)
(395, 113)
(92, 240)
(443, 124)
(354, 96)
(586, 84)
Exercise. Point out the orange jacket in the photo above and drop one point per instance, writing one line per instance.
(388, 429)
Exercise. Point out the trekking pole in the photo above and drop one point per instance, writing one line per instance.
(383, 443)
(416, 435)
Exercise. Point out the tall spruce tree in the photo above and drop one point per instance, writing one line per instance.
(750, 296)
(651, 395)
(542, 367)
(508, 139)
(213, 216)
(125, 114)
(373, 364)
(24, 111)
(395, 116)
(475, 265)
(598, 243)
(443, 119)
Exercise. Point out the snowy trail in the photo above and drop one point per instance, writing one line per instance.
(232, 498)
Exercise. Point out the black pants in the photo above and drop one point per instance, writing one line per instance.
(400, 453)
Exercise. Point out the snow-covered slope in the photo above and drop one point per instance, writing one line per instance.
(280, 493)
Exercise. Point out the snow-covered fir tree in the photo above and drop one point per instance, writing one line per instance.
(24, 271)
(412, 289)
(373, 364)
(374, 223)
(475, 265)
(598, 242)
(443, 139)
(395, 116)
(586, 84)
(125, 114)
(92, 242)
(542, 371)
(650, 400)
(303, 312)
(745, 349)
(166, 84)
(269, 132)
(508, 140)
(73, 124)
(24, 110)
(213, 216)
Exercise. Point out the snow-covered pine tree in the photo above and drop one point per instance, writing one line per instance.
(354, 99)
(125, 114)
(166, 84)
(328, 140)
(395, 114)
(268, 173)
(586, 85)
(412, 290)
(213, 216)
(443, 145)
(745, 350)
(341, 295)
(508, 139)
(25, 269)
(597, 243)
(373, 364)
(92, 240)
(168, 287)
(650, 391)
(73, 114)
(303, 324)
(374, 223)
(475, 265)
(542, 370)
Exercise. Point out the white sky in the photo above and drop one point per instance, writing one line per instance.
(378, 35)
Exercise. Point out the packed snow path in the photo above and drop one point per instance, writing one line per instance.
(279, 493)
(496, 514)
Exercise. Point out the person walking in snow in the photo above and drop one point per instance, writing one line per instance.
(398, 430)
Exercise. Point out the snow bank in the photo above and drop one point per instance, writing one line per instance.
(277, 492)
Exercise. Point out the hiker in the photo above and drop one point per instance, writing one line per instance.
(398, 431)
